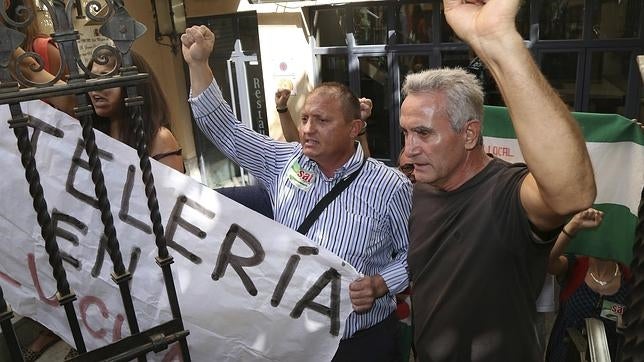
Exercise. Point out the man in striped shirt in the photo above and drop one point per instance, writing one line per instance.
(366, 224)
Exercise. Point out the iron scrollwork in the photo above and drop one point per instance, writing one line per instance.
(74, 79)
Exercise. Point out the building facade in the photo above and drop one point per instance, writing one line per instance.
(586, 48)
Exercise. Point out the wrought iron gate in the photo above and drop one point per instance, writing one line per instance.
(119, 26)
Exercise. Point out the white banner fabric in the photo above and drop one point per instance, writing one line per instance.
(231, 265)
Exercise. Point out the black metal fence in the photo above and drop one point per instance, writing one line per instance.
(123, 30)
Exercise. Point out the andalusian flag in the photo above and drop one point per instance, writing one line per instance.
(616, 147)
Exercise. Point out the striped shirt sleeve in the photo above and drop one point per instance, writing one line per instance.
(395, 274)
(262, 156)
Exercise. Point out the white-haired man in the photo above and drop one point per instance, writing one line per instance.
(481, 228)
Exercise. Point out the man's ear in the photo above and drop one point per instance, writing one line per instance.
(472, 134)
(356, 127)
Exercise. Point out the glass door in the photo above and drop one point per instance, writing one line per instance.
(236, 64)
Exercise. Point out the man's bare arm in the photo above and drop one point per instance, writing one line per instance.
(561, 180)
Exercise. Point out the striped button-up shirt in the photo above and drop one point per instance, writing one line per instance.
(365, 225)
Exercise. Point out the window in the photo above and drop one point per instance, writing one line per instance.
(334, 68)
(236, 65)
(412, 63)
(560, 68)
(614, 19)
(414, 23)
(561, 20)
(375, 84)
(370, 26)
(586, 49)
(608, 81)
(329, 25)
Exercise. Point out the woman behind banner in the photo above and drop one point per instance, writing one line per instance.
(114, 119)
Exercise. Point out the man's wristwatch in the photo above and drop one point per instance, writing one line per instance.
(282, 110)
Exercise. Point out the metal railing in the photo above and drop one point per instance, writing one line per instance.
(123, 30)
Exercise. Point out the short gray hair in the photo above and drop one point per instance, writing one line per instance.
(462, 89)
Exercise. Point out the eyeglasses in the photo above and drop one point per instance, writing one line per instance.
(407, 168)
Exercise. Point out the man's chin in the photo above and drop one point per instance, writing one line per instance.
(425, 179)
(309, 152)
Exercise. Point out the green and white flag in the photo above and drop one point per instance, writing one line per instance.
(616, 147)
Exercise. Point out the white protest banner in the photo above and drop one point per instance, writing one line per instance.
(616, 148)
(229, 319)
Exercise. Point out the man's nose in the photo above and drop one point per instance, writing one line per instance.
(307, 127)
(410, 146)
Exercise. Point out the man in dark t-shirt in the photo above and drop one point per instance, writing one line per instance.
(481, 228)
(478, 269)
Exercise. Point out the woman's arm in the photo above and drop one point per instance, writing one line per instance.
(164, 142)
(589, 218)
